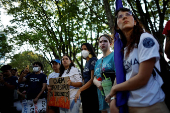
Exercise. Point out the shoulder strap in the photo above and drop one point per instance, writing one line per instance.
(101, 66)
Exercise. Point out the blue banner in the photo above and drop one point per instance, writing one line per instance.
(121, 97)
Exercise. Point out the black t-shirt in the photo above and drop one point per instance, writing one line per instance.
(7, 94)
(22, 87)
(35, 84)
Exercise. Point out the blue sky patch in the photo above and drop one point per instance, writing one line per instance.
(148, 42)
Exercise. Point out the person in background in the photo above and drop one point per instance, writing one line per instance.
(21, 91)
(88, 91)
(141, 54)
(56, 68)
(105, 64)
(37, 82)
(22, 88)
(14, 72)
(166, 32)
(68, 69)
(8, 84)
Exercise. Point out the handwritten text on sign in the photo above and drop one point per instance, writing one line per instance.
(60, 93)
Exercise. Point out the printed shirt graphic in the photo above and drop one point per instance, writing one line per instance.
(151, 93)
(107, 66)
(75, 76)
(35, 84)
(87, 69)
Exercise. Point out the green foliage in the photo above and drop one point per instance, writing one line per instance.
(60, 27)
(21, 60)
(4, 46)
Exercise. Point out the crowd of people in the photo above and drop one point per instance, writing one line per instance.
(141, 53)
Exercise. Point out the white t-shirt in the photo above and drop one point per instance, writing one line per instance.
(52, 75)
(75, 76)
(151, 93)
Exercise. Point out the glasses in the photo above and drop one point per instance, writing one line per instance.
(126, 14)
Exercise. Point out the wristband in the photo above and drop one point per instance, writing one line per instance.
(113, 98)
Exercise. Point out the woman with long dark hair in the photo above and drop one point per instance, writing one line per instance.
(141, 55)
(68, 69)
(88, 91)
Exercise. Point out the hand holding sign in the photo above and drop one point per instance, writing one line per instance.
(49, 88)
(69, 82)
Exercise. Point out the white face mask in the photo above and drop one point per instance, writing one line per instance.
(36, 69)
(85, 53)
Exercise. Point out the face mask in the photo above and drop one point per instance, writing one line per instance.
(36, 69)
(85, 53)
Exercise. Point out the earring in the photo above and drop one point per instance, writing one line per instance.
(90, 56)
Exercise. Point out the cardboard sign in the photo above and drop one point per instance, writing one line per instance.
(60, 93)
(28, 106)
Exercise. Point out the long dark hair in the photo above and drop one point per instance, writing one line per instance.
(62, 68)
(90, 49)
(138, 29)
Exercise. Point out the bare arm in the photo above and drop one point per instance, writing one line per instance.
(76, 84)
(89, 83)
(42, 90)
(86, 86)
(22, 76)
(137, 81)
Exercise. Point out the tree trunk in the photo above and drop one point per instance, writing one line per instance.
(109, 15)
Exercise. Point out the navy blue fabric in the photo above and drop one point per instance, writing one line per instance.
(87, 69)
(22, 87)
(122, 96)
(35, 84)
(148, 42)
(7, 95)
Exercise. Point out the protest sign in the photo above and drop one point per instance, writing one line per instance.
(28, 106)
(59, 95)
